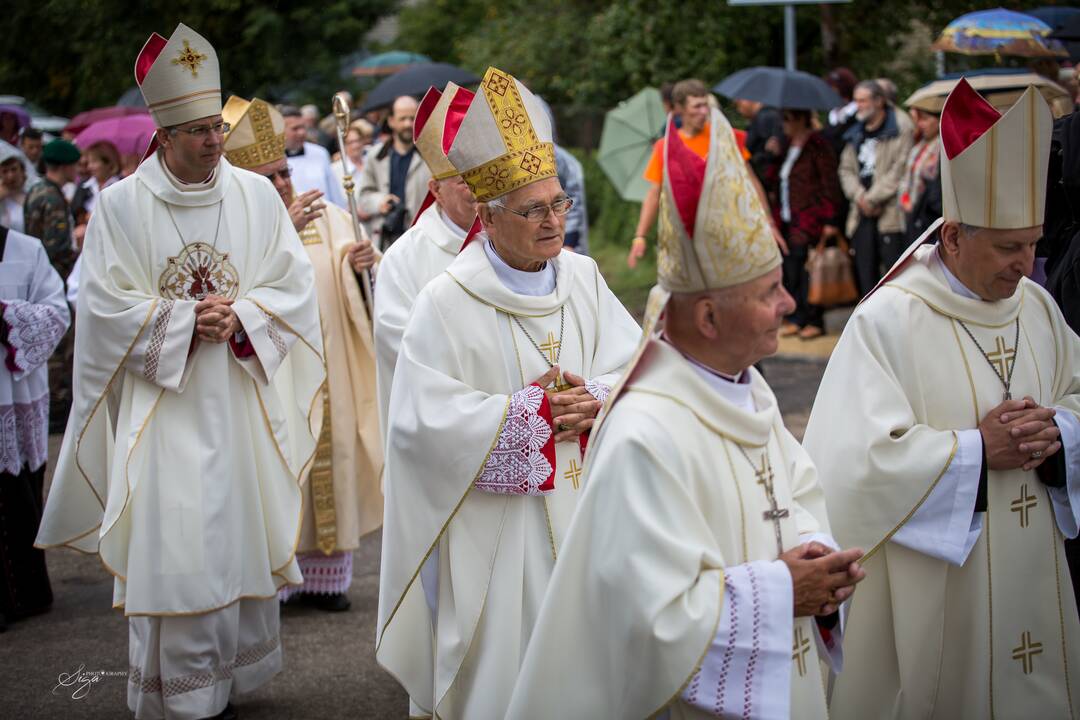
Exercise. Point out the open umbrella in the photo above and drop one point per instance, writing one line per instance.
(130, 134)
(415, 80)
(777, 87)
(22, 117)
(88, 117)
(999, 32)
(388, 63)
(626, 142)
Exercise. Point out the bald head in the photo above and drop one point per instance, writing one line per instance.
(402, 115)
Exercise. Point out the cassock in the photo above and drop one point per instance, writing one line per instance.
(182, 460)
(967, 609)
(669, 599)
(468, 451)
(33, 318)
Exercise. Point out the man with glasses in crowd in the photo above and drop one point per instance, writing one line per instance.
(342, 497)
(504, 363)
(182, 459)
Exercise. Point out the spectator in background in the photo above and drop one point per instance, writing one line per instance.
(808, 211)
(841, 118)
(764, 138)
(103, 169)
(309, 164)
(871, 168)
(920, 189)
(889, 88)
(358, 139)
(13, 184)
(394, 179)
(31, 142)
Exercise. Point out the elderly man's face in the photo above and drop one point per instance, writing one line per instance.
(990, 262)
(277, 172)
(456, 200)
(748, 320)
(12, 175)
(519, 241)
(867, 106)
(295, 133)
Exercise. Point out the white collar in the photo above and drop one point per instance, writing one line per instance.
(954, 282)
(736, 389)
(183, 185)
(536, 284)
(452, 226)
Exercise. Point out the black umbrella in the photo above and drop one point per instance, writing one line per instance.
(780, 88)
(415, 80)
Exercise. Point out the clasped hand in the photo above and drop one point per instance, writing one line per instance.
(215, 320)
(1019, 434)
(822, 579)
(574, 409)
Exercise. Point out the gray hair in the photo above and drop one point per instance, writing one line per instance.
(874, 88)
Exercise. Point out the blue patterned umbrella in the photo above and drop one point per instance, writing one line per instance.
(999, 32)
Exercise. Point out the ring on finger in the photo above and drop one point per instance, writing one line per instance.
(307, 209)
(563, 427)
(1037, 454)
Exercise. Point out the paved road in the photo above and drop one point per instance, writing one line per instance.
(330, 670)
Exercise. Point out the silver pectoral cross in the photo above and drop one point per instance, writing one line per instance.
(775, 513)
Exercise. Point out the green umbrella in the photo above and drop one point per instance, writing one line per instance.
(630, 130)
(388, 63)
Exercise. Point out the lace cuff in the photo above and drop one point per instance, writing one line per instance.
(600, 391)
(523, 459)
(31, 333)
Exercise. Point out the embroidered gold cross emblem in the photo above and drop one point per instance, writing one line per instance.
(1023, 504)
(1026, 652)
(1003, 357)
(530, 163)
(574, 473)
(498, 84)
(799, 651)
(551, 348)
(190, 58)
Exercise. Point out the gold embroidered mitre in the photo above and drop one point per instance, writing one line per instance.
(714, 231)
(257, 135)
(179, 78)
(505, 140)
(437, 122)
(993, 166)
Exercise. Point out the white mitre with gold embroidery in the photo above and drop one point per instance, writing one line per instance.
(714, 231)
(505, 140)
(257, 132)
(993, 166)
(179, 77)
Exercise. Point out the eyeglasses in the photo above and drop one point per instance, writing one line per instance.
(540, 212)
(201, 131)
(284, 173)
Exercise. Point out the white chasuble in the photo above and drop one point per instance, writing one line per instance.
(417, 257)
(981, 631)
(342, 497)
(182, 461)
(668, 597)
(474, 478)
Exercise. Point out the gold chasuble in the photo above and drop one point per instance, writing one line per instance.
(985, 627)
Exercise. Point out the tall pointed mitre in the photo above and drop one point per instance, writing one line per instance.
(437, 122)
(179, 77)
(504, 142)
(993, 168)
(257, 135)
(714, 231)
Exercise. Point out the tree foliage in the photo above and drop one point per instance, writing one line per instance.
(70, 55)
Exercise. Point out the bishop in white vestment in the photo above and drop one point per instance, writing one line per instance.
(424, 251)
(483, 462)
(922, 434)
(197, 371)
(675, 592)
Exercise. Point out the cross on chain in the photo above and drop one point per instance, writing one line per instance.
(799, 650)
(765, 478)
(1023, 504)
(551, 348)
(574, 473)
(1003, 357)
(1026, 652)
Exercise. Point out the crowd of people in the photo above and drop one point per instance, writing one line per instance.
(581, 516)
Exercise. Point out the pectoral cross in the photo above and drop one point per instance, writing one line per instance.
(1002, 360)
(774, 513)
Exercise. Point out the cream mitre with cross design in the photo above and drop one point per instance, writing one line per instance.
(179, 78)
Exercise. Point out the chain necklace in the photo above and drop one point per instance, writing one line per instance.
(217, 229)
(1006, 380)
(554, 347)
(765, 478)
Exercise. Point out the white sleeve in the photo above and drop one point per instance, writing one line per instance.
(946, 525)
(162, 354)
(747, 668)
(1066, 499)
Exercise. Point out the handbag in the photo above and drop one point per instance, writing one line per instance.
(832, 280)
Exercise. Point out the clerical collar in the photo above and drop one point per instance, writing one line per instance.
(294, 153)
(453, 226)
(536, 284)
(183, 185)
(954, 282)
(737, 389)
